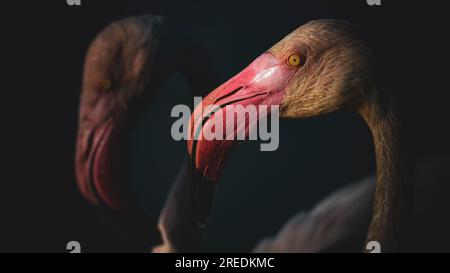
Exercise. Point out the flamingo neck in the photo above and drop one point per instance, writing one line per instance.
(393, 184)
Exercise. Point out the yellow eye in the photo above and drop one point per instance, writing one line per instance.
(106, 85)
(295, 60)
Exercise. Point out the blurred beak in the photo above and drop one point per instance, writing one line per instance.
(101, 162)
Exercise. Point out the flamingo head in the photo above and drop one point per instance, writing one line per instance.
(319, 68)
(118, 81)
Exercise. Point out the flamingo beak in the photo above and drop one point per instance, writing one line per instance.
(262, 83)
(101, 157)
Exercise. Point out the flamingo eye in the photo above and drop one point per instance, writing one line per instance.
(295, 60)
(106, 85)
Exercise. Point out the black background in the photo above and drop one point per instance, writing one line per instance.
(44, 43)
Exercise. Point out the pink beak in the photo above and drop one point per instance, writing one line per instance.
(262, 83)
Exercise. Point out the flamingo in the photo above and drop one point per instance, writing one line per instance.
(125, 66)
(319, 68)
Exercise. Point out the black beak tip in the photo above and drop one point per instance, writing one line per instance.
(202, 193)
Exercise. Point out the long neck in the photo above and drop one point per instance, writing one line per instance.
(392, 200)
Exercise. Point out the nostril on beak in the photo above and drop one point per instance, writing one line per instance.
(227, 95)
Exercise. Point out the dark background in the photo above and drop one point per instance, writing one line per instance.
(45, 43)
